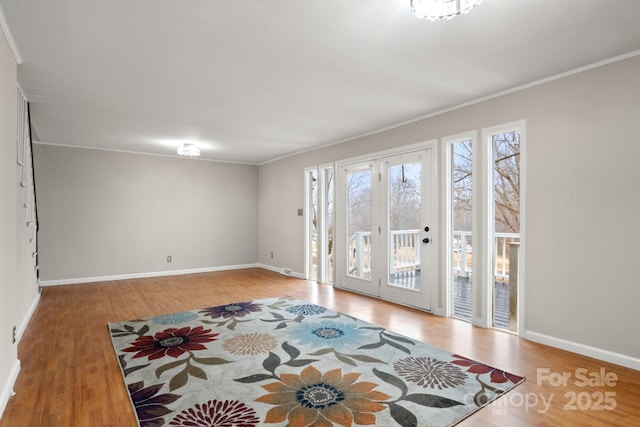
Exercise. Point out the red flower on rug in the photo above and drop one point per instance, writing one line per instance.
(171, 342)
(497, 376)
(231, 413)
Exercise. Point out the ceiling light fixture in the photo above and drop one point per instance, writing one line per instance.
(442, 9)
(189, 150)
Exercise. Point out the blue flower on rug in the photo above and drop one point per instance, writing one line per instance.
(327, 333)
(306, 309)
(175, 318)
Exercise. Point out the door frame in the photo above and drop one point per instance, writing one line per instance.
(307, 221)
(340, 220)
(323, 274)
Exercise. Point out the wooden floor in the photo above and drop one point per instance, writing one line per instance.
(70, 376)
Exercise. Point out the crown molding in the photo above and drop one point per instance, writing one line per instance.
(142, 153)
(515, 89)
(9, 36)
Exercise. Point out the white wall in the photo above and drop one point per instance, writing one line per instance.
(105, 213)
(8, 218)
(18, 282)
(583, 202)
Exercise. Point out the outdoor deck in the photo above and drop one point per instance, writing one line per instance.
(462, 301)
(462, 296)
(404, 265)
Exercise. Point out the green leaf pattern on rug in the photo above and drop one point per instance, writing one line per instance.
(349, 359)
(129, 330)
(273, 362)
(388, 339)
(180, 379)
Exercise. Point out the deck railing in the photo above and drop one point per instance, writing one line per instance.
(404, 253)
(463, 247)
(359, 250)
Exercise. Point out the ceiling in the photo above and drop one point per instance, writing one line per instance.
(256, 80)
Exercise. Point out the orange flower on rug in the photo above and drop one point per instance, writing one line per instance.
(312, 398)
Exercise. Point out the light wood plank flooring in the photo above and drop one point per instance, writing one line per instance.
(70, 376)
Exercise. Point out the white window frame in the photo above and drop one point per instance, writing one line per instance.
(322, 227)
(484, 217)
(448, 143)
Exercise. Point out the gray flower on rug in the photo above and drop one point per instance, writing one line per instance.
(428, 372)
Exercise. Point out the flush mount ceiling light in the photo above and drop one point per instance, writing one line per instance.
(189, 150)
(442, 9)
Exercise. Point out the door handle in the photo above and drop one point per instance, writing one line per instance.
(425, 240)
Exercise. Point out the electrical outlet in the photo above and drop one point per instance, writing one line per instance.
(15, 335)
(271, 254)
(168, 258)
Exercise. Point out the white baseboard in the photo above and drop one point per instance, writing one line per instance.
(26, 319)
(585, 350)
(269, 267)
(439, 312)
(7, 389)
(143, 275)
(283, 271)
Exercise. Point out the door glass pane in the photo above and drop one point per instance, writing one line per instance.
(404, 224)
(313, 225)
(359, 224)
(461, 223)
(329, 222)
(506, 203)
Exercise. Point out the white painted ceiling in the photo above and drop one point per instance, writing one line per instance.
(256, 80)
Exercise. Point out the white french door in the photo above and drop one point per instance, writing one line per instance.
(385, 227)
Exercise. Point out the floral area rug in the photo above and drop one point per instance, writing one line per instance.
(282, 362)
